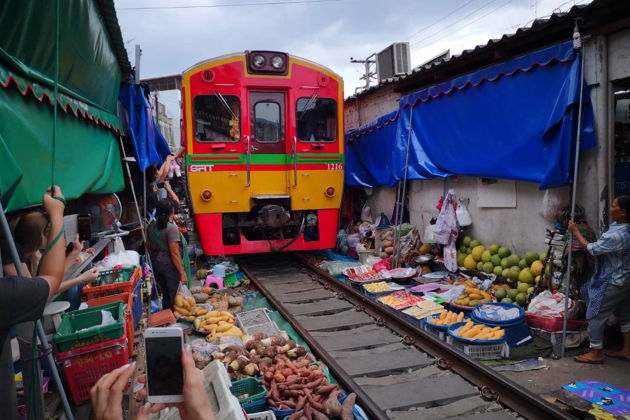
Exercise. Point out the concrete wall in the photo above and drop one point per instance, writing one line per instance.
(522, 228)
(370, 106)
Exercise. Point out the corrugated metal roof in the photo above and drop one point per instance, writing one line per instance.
(555, 28)
(108, 11)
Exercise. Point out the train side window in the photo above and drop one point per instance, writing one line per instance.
(267, 127)
(216, 118)
(316, 119)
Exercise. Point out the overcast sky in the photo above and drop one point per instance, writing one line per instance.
(328, 32)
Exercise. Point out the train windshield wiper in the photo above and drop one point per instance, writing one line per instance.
(225, 104)
(308, 104)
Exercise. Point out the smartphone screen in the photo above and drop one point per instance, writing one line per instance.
(164, 365)
(84, 227)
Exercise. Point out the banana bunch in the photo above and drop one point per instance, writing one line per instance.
(185, 308)
(219, 324)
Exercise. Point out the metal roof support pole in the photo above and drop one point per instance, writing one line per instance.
(404, 193)
(577, 44)
(28, 326)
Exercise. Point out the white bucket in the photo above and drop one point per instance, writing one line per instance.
(365, 254)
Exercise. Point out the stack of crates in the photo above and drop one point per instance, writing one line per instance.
(87, 351)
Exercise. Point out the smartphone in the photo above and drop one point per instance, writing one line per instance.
(165, 374)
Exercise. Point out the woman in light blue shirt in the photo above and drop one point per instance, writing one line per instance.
(608, 291)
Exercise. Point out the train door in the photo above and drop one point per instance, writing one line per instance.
(317, 174)
(268, 143)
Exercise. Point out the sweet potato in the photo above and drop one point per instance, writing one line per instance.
(318, 415)
(326, 389)
(301, 402)
(332, 407)
(296, 415)
(348, 406)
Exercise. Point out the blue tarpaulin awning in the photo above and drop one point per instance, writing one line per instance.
(513, 120)
(149, 144)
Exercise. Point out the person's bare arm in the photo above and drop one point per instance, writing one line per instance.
(9, 270)
(87, 277)
(170, 192)
(176, 257)
(163, 171)
(52, 265)
(575, 229)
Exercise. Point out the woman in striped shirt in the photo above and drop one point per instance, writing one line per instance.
(608, 290)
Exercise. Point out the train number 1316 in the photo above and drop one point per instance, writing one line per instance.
(335, 166)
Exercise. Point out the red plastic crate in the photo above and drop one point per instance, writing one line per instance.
(550, 324)
(85, 366)
(127, 298)
(93, 292)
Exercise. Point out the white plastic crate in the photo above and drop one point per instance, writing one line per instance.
(481, 351)
(262, 415)
(434, 331)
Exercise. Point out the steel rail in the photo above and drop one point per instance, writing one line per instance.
(345, 380)
(493, 385)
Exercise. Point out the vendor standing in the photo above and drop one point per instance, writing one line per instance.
(163, 242)
(608, 290)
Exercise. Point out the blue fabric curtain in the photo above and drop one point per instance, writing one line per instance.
(149, 144)
(513, 120)
(370, 152)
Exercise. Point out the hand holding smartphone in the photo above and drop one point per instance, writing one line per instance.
(165, 374)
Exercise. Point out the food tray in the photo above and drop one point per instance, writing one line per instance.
(368, 277)
(72, 332)
(481, 351)
(270, 329)
(478, 318)
(444, 328)
(254, 317)
(352, 271)
(454, 327)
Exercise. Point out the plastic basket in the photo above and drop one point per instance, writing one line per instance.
(453, 327)
(440, 334)
(69, 336)
(255, 406)
(478, 318)
(93, 292)
(126, 298)
(480, 351)
(84, 367)
(550, 324)
(262, 415)
(251, 386)
(113, 276)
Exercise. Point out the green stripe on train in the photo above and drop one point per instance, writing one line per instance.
(262, 159)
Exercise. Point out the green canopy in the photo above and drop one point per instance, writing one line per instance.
(86, 154)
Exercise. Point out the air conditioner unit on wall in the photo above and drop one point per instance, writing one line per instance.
(393, 61)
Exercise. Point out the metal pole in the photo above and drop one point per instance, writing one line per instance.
(577, 44)
(38, 325)
(137, 69)
(404, 190)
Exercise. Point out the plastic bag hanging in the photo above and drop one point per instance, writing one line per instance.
(446, 222)
(462, 213)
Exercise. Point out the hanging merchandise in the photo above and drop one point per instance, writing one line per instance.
(462, 213)
(446, 222)
(550, 206)
(427, 238)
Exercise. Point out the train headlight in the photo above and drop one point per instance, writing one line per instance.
(206, 195)
(258, 61)
(277, 62)
(330, 192)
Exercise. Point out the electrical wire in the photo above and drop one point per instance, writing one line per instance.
(270, 3)
(441, 19)
(456, 22)
(468, 24)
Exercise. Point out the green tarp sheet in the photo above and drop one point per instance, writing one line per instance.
(88, 68)
(87, 158)
(86, 155)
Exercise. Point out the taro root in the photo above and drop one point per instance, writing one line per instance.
(301, 351)
(242, 360)
(269, 352)
(258, 336)
(265, 362)
(250, 369)
(252, 344)
(217, 355)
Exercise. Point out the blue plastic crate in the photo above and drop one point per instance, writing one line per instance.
(255, 406)
(136, 305)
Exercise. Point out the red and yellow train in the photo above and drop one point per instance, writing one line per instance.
(263, 133)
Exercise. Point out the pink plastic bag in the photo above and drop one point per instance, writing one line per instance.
(385, 264)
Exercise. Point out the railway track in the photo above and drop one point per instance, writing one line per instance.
(398, 371)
